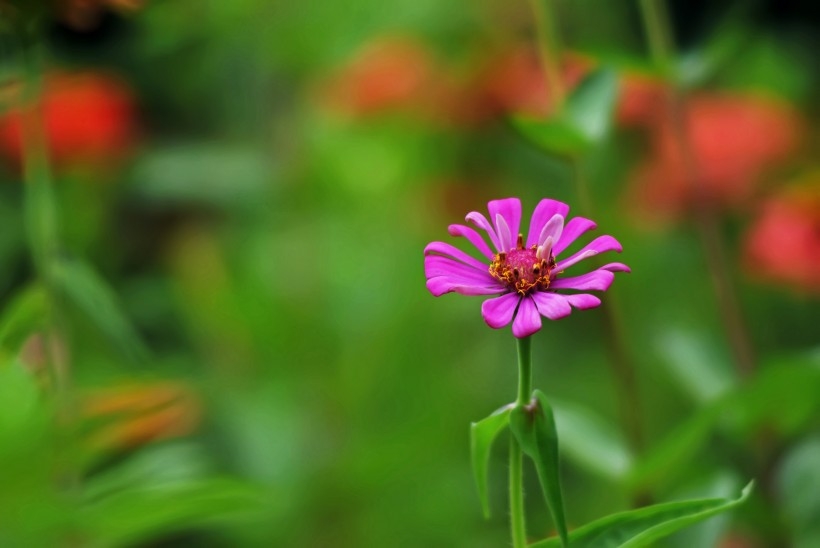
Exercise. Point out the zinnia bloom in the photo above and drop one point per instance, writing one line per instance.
(525, 273)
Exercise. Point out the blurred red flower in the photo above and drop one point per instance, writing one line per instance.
(783, 243)
(387, 73)
(88, 117)
(515, 81)
(732, 139)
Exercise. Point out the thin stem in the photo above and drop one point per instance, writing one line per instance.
(549, 49)
(524, 370)
(517, 521)
(662, 49)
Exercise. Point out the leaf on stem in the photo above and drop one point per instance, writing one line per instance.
(534, 428)
(482, 435)
(645, 526)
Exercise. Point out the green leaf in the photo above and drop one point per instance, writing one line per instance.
(91, 294)
(589, 108)
(554, 136)
(585, 121)
(482, 435)
(591, 442)
(645, 526)
(27, 313)
(534, 428)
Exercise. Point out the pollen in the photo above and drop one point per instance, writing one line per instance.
(521, 269)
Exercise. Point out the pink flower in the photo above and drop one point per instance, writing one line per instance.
(525, 273)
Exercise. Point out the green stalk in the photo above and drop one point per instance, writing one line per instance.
(549, 49)
(517, 521)
(662, 48)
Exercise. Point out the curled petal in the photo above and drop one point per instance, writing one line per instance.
(616, 267)
(552, 305)
(447, 250)
(503, 232)
(552, 230)
(499, 312)
(527, 320)
(572, 230)
(510, 211)
(544, 211)
(439, 285)
(597, 280)
(598, 245)
(583, 301)
(473, 236)
(481, 222)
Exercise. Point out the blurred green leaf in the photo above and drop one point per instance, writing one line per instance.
(590, 105)
(534, 428)
(161, 490)
(798, 482)
(553, 136)
(645, 526)
(25, 314)
(666, 458)
(696, 363)
(584, 122)
(91, 294)
(591, 442)
(482, 436)
(210, 174)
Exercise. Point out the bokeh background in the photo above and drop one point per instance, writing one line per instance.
(214, 328)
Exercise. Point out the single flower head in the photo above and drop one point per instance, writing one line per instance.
(525, 273)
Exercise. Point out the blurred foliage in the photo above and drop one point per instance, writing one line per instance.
(256, 243)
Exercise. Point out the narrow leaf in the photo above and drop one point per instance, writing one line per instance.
(91, 294)
(645, 526)
(534, 428)
(482, 435)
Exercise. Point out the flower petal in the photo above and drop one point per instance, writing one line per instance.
(499, 312)
(616, 267)
(439, 285)
(503, 232)
(572, 230)
(436, 265)
(510, 211)
(552, 230)
(598, 245)
(583, 301)
(544, 211)
(481, 222)
(597, 280)
(473, 236)
(448, 250)
(527, 320)
(551, 305)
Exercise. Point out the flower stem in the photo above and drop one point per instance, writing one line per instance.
(549, 49)
(662, 48)
(517, 522)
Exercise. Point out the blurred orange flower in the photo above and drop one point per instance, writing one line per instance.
(88, 117)
(127, 416)
(783, 243)
(732, 139)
